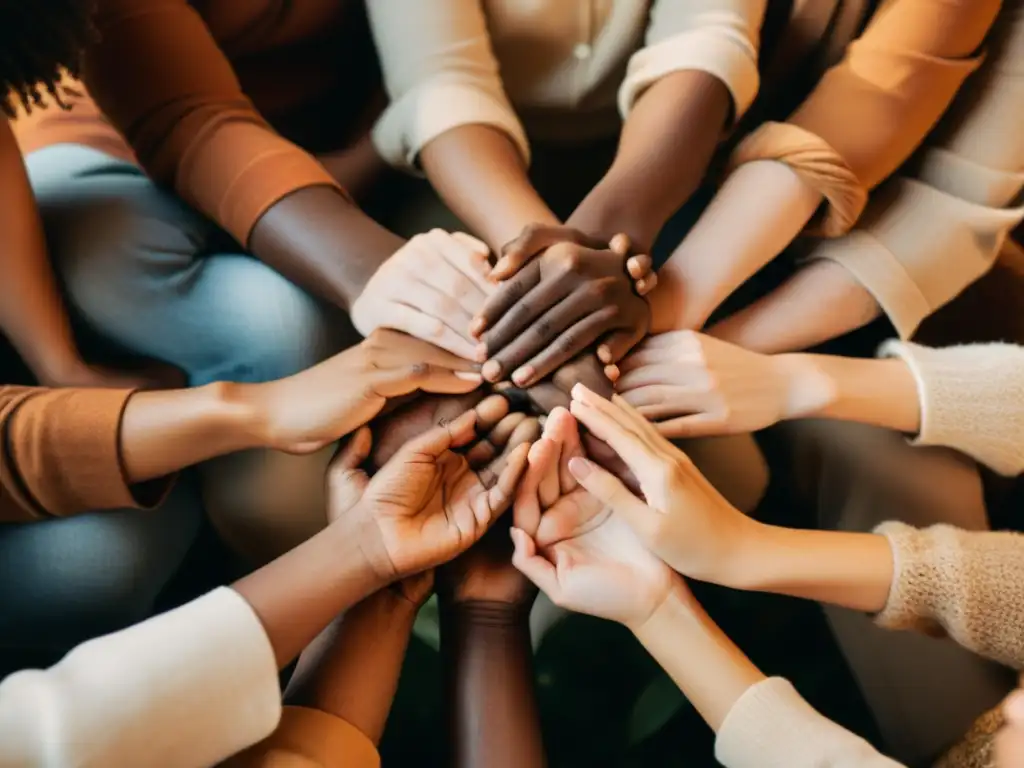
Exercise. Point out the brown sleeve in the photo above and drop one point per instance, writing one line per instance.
(159, 76)
(61, 454)
(309, 738)
(872, 110)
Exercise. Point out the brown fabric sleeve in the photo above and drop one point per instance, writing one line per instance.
(159, 76)
(869, 112)
(309, 738)
(61, 454)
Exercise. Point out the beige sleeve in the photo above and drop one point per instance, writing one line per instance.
(870, 112)
(772, 726)
(440, 73)
(967, 585)
(971, 399)
(937, 227)
(719, 37)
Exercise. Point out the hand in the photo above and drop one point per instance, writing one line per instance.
(304, 412)
(684, 521)
(695, 385)
(537, 238)
(485, 573)
(556, 392)
(1010, 740)
(595, 564)
(430, 288)
(427, 505)
(556, 307)
(409, 420)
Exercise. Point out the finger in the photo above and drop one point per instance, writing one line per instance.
(641, 424)
(495, 441)
(473, 261)
(562, 427)
(645, 285)
(455, 272)
(666, 375)
(547, 396)
(526, 512)
(489, 412)
(436, 441)
(610, 491)
(693, 425)
(535, 321)
(534, 239)
(618, 344)
(346, 481)
(507, 296)
(621, 244)
(353, 451)
(500, 496)
(446, 294)
(639, 266)
(394, 382)
(627, 445)
(421, 325)
(534, 567)
(570, 343)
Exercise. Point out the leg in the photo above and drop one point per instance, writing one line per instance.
(68, 580)
(923, 692)
(145, 272)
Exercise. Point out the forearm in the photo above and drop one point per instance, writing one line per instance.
(330, 572)
(666, 145)
(852, 570)
(32, 313)
(352, 669)
(489, 681)
(479, 173)
(878, 392)
(323, 242)
(758, 212)
(706, 665)
(822, 301)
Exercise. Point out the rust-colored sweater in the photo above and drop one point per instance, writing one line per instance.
(61, 453)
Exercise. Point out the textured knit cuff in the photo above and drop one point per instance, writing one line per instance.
(771, 726)
(972, 399)
(968, 585)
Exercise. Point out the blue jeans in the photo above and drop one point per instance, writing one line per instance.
(64, 581)
(145, 272)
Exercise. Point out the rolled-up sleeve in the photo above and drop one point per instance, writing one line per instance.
(873, 109)
(440, 73)
(940, 224)
(719, 37)
(159, 76)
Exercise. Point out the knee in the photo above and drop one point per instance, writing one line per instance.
(278, 328)
(264, 503)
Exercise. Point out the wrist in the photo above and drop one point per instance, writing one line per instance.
(612, 208)
(677, 604)
(806, 388)
(240, 413)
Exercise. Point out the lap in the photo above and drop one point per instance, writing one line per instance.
(63, 581)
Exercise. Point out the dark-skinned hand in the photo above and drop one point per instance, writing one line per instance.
(567, 295)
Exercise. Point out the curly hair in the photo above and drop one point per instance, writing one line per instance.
(40, 41)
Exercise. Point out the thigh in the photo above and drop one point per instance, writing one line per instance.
(144, 271)
(64, 581)
(924, 692)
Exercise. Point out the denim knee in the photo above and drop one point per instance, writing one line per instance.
(65, 581)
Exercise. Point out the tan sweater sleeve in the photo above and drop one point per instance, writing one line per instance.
(869, 112)
(967, 585)
(440, 72)
(161, 79)
(61, 454)
(941, 223)
(971, 399)
(309, 738)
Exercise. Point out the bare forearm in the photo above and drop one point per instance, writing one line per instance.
(352, 669)
(492, 703)
(852, 570)
(758, 212)
(331, 574)
(479, 173)
(32, 313)
(820, 302)
(663, 154)
(706, 665)
(323, 242)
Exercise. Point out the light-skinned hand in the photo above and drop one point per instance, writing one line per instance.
(430, 288)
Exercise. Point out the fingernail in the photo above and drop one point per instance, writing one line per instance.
(612, 372)
(469, 376)
(523, 375)
(579, 391)
(491, 370)
(580, 467)
(1014, 707)
(604, 354)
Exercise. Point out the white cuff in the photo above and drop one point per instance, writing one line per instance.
(422, 114)
(721, 49)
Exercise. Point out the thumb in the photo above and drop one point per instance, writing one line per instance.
(346, 482)
(609, 490)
